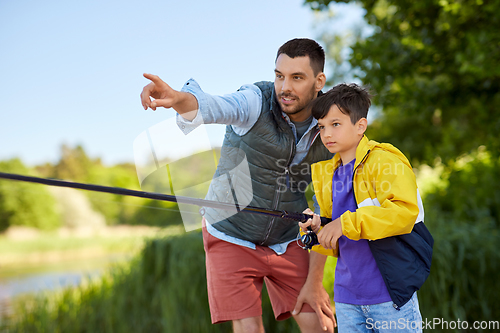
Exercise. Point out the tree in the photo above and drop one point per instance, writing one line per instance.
(74, 164)
(435, 68)
(24, 204)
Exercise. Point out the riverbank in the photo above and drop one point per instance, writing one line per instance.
(20, 247)
(32, 261)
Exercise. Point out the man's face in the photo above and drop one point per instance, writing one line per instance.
(296, 85)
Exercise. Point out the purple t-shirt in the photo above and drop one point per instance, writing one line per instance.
(357, 277)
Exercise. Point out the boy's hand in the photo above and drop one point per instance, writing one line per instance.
(314, 223)
(330, 234)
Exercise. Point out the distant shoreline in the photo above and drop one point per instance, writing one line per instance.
(22, 246)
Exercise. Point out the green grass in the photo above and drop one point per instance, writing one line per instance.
(48, 243)
(51, 241)
(161, 290)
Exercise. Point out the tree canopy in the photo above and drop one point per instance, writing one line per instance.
(434, 66)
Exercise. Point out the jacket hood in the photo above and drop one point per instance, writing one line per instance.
(365, 146)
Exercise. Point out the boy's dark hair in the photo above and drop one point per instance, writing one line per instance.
(351, 99)
(302, 47)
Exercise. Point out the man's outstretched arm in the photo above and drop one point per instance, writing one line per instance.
(240, 109)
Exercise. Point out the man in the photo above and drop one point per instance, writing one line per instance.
(272, 124)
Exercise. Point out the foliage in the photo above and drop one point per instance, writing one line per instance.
(117, 209)
(76, 165)
(164, 290)
(434, 66)
(463, 216)
(472, 191)
(156, 213)
(463, 280)
(24, 204)
(339, 27)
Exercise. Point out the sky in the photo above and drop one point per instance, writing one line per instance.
(71, 71)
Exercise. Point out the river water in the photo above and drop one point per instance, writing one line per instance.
(39, 278)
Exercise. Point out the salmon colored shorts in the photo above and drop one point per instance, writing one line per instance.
(235, 276)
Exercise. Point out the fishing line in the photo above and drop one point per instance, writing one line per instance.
(35, 191)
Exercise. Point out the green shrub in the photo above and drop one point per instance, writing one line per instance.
(25, 204)
(472, 191)
(463, 217)
(463, 281)
(156, 213)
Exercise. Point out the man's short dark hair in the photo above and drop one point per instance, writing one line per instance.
(351, 99)
(302, 47)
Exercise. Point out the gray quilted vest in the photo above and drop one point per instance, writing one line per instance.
(269, 148)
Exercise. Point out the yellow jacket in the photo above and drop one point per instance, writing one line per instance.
(385, 191)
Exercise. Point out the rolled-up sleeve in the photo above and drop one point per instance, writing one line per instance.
(240, 109)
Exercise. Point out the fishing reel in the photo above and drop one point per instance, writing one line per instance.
(308, 240)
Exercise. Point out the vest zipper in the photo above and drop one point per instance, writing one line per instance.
(278, 194)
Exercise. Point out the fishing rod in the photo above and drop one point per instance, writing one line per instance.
(309, 239)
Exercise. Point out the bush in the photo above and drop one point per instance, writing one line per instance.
(471, 191)
(156, 213)
(463, 217)
(463, 281)
(25, 204)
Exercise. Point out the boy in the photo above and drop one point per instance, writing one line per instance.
(377, 232)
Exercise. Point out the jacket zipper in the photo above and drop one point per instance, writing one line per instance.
(353, 173)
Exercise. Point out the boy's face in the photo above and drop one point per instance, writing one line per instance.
(340, 135)
(296, 85)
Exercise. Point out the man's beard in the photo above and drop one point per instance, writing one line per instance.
(301, 104)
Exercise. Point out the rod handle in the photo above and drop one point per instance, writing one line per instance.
(304, 217)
